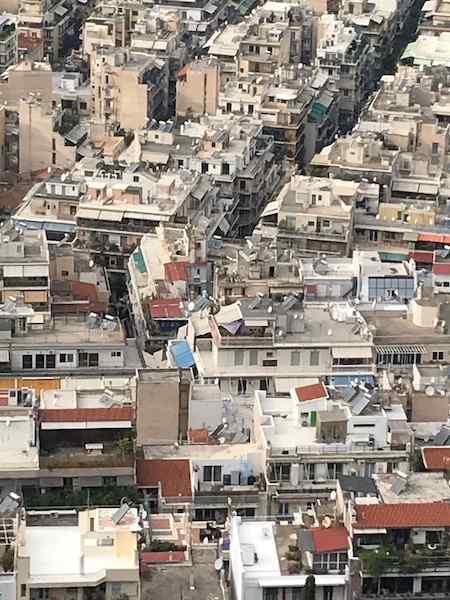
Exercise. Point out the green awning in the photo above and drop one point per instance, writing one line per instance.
(392, 256)
(139, 261)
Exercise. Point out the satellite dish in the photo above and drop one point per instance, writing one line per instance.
(326, 522)
(218, 564)
(429, 390)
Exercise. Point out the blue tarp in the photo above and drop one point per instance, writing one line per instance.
(181, 354)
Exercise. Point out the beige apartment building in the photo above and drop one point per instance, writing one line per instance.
(128, 87)
(198, 86)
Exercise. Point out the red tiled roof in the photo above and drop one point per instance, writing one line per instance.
(422, 256)
(166, 308)
(152, 557)
(441, 268)
(115, 413)
(198, 436)
(402, 515)
(331, 539)
(311, 392)
(436, 457)
(174, 475)
(176, 271)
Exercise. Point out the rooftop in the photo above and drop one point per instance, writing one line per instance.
(436, 458)
(402, 515)
(430, 487)
(172, 474)
(18, 444)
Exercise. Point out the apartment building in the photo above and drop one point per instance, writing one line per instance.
(315, 215)
(8, 42)
(275, 342)
(41, 28)
(316, 435)
(269, 559)
(198, 88)
(99, 550)
(124, 201)
(200, 19)
(283, 108)
(342, 55)
(24, 264)
(128, 87)
(233, 152)
(50, 205)
(167, 270)
(64, 343)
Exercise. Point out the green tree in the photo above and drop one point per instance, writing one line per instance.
(8, 559)
(310, 588)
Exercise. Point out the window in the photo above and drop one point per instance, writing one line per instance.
(270, 593)
(314, 358)
(212, 473)
(40, 361)
(110, 481)
(309, 471)
(88, 359)
(228, 107)
(225, 169)
(334, 470)
(204, 168)
(326, 223)
(23, 590)
(283, 508)
(116, 588)
(434, 148)
(180, 163)
(83, 105)
(64, 273)
(66, 358)
(242, 186)
(238, 358)
(136, 178)
(438, 356)
(116, 354)
(295, 358)
(250, 109)
(92, 524)
(72, 211)
(50, 361)
(253, 357)
(27, 361)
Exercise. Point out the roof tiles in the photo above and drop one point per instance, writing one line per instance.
(436, 457)
(174, 475)
(58, 415)
(311, 392)
(402, 515)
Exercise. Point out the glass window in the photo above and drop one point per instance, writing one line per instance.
(295, 358)
(253, 357)
(314, 358)
(40, 361)
(27, 361)
(238, 357)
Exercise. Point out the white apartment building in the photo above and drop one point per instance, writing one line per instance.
(24, 267)
(259, 562)
(68, 562)
(262, 344)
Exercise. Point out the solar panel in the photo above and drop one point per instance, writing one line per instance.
(360, 403)
(120, 513)
(440, 439)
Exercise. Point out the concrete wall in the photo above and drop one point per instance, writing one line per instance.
(39, 146)
(198, 92)
(21, 82)
(157, 417)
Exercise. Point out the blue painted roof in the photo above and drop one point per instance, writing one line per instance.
(181, 354)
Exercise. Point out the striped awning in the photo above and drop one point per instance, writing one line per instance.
(400, 349)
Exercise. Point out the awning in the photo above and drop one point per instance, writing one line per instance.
(405, 186)
(401, 349)
(256, 322)
(4, 356)
(369, 531)
(88, 213)
(410, 236)
(271, 209)
(363, 352)
(140, 215)
(111, 215)
(426, 188)
(160, 158)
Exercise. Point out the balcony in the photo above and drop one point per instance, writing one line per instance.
(77, 458)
